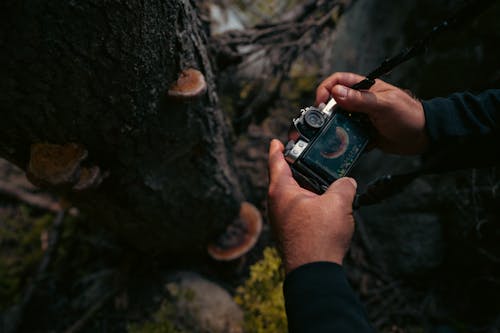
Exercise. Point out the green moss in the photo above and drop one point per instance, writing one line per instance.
(226, 104)
(302, 83)
(20, 250)
(167, 319)
(262, 10)
(162, 322)
(261, 296)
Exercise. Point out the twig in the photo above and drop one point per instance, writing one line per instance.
(36, 200)
(282, 42)
(80, 324)
(16, 313)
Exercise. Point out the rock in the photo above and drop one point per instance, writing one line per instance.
(405, 234)
(407, 243)
(371, 30)
(207, 306)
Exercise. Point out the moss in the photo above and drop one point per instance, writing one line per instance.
(226, 103)
(162, 322)
(20, 250)
(167, 319)
(303, 81)
(261, 296)
(263, 10)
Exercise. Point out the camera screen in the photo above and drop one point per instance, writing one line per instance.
(336, 148)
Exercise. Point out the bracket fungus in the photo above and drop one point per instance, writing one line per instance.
(240, 236)
(189, 85)
(54, 165)
(90, 177)
(60, 167)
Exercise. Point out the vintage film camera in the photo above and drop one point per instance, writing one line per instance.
(324, 143)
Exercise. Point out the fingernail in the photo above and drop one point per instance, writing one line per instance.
(340, 91)
(353, 182)
(273, 142)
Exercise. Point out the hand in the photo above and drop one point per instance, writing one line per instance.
(398, 117)
(310, 227)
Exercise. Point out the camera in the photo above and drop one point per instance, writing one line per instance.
(324, 144)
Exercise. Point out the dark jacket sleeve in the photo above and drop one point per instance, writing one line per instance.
(318, 299)
(464, 129)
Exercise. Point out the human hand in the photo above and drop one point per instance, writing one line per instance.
(309, 227)
(398, 117)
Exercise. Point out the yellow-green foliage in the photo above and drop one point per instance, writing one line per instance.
(258, 11)
(261, 297)
(163, 322)
(303, 81)
(20, 251)
(166, 319)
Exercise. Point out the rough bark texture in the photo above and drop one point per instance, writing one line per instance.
(96, 73)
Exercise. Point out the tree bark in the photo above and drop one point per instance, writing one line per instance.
(97, 73)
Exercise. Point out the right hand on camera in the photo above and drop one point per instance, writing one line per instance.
(309, 227)
(397, 117)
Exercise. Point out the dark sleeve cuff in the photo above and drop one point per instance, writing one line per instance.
(463, 130)
(318, 299)
(438, 116)
(462, 115)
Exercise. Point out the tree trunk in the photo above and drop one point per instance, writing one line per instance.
(96, 73)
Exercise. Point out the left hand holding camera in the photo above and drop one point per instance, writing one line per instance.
(310, 227)
(397, 117)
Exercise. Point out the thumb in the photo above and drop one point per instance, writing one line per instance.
(345, 188)
(354, 100)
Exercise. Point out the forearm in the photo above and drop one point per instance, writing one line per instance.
(462, 115)
(464, 129)
(318, 299)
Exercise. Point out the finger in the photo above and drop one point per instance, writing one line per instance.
(344, 187)
(323, 91)
(355, 100)
(278, 167)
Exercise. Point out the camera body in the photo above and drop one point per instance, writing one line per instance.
(324, 144)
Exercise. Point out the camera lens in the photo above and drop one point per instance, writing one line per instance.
(314, 118)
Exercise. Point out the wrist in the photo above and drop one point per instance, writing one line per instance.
(294, 261)
(423, 139)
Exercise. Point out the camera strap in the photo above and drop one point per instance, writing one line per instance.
(389, 185)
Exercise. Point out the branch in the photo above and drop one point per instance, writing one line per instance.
(280, 43)
(37, 200)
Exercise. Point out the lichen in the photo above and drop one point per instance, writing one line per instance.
(261, 296)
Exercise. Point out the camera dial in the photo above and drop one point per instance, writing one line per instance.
(309, 122)
(314, 118)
